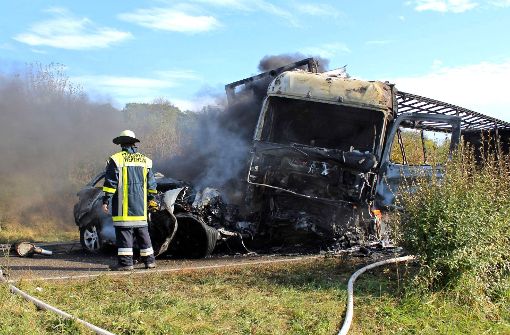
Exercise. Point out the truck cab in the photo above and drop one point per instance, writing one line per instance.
(330, 152)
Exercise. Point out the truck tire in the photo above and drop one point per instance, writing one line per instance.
(193, 239)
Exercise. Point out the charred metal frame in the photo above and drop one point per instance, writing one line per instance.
(448, 123)
(470, 120)
(407, 102)
(230, 89)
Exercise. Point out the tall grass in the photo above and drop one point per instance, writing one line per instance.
(459, 227)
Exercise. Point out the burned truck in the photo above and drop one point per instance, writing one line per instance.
(320, 169)
(330, 152)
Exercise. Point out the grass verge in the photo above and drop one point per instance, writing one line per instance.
(304, 298)
(37, 234)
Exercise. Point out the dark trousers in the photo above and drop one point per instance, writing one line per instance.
(125, 238)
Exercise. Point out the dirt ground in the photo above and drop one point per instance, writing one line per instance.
(70, 261)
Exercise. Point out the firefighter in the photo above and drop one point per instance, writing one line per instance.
(129, 185)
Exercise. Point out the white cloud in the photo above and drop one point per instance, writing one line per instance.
(500, 3)
(38, 51)
(171, 20)
(480, 87)
(252, 6)
(66, 31)
(126, 82)
(126, 89)
(174, 75)
(275, 10)
(454, 6)
(444, 6)
(193, 105)
(327, 50)
(317, 9)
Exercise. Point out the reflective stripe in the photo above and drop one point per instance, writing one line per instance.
(148, 163)
(125, 251)
(125, 204)
(134, 164)
(146, 252)
(153, 191)
(129, 218)
(141, 223)
(145, 191)
(109, 189)
(120, 192)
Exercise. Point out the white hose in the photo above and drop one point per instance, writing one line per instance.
(43, 305)
(350, 289)
(343, 331)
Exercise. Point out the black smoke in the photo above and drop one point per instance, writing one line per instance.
(219, 143)
(268, 63)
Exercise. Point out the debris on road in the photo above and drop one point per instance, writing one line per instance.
(27, 249)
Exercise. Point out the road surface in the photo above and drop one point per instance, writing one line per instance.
(70, 261)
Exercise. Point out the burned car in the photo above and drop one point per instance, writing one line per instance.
(189, 223)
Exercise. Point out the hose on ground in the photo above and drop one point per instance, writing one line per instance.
(42, 305)
(350, 289)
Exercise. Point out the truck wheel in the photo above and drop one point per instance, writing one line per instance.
(194, 239)
(90, 239)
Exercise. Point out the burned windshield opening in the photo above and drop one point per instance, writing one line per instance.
(322, 125)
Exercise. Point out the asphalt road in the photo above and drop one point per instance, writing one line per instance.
(70, 261)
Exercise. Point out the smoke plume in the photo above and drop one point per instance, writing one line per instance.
(217, 151)
(52, 138)
(268, 63)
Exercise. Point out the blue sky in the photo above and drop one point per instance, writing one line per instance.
(134, 51)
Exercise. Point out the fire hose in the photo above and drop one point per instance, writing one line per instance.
(42, 305)
(350, 289)
(343, 331)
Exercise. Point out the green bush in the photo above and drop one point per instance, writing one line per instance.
(459, 226)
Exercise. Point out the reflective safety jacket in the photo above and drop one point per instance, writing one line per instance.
(129, 183)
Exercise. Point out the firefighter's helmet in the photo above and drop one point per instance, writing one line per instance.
(126, 137)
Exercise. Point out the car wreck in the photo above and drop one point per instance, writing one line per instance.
(188, 223)
(329, 153)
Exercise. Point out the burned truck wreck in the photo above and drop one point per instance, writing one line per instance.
(320, 151)
(316, 149)
(330, 152)
(328, 156)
